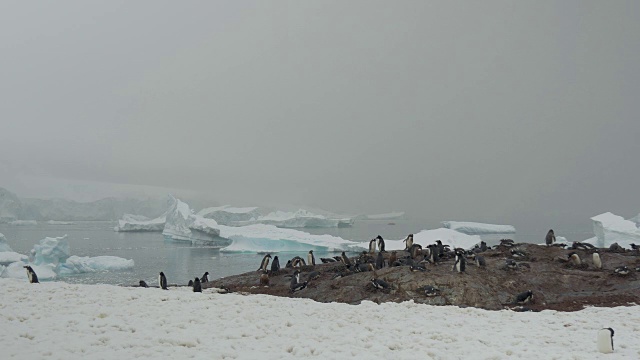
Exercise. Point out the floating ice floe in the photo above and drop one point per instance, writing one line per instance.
(50, 251)
(269, 238)
(77, 264)
(387, 216)
(449, 237)
(130, 222)
(474, 228)
(227, 215)
(299, 219)
(8, 257)
(610, 228)
(3, 243)
(183, 225)
(23, 222)
(56, 222)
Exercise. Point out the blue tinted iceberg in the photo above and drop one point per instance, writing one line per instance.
(610, 228)
(474, 228)
(269, 238)
(228, 215)
(183, 225)
(16, 270)
(131, 222)
(50, 251)
(77, 264)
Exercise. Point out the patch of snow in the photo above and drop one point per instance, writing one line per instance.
(610, 228)
(111, 322)
(426, 237)
(23, 222)
(474, 228)
(77, 264)
(269, 238)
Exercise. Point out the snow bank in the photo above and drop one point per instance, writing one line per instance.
(183, 225)
(447, 236)
(227, 215)
(111, 322)
(77, 264)
(387, 216)
(269, 238)
(23, 222)
(4, 246)
(130, 222)
(8, 257)
(474, 228)
(610, 228)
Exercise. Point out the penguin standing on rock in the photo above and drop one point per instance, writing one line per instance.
(296, 285)
(197, 287)
(480, 261)
(264, 279)
(597, 262)
(162, 281)
(408, 242)
(605, 340)
(33, 278)
(379, 261)
(275, 265)
(345, 259)
(392, 258)
(574, 258)
(264, 263)
(461, 263)
(551, 238)
(205, 277)
(380, 243)
(372, 246)
(311, 260)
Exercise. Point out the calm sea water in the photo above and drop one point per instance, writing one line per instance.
(152, 253)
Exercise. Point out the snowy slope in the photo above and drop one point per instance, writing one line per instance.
(110, 322)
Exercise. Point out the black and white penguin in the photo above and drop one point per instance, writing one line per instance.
(605, 340)
(440, 247)
(433, 254)
(634, 246)
(574, 258)
(380, 243)
(431, 291)
(461, 262)
(299, 286)
(275, 264)
(295, 284)
(517, 254)
(311, 260)
(483, 246)
(524, 297)
(551, 238)
(379, 283)
(345, 259)
(190, 283)
(408, 242)
(197, 286)
(480, 261)
(143, 284)
(507, 242)
(414, 268)
(264, 263)
(372, 246)
(33, 278)
(415, 250)
(380, 261)
(621, 270)
(289, 264)
(597, 262)
(205, 277)
(511, 264)
(162, 281)
(327, 260)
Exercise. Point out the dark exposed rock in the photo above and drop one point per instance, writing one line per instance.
(556, 284)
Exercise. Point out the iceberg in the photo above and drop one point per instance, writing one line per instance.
(474, 228)
(227, 215)
(3, 243)
(50, 251)
(131, 222)
(610, 228)
(387, 216)
(77, 264)
(8, 257)
(449, 237)
(183, 225)
(299, 219)
(55, 222)
(269, 238)
(23, 222)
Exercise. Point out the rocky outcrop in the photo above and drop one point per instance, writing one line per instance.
(555, 282)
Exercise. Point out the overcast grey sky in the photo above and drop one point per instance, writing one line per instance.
(502, 111)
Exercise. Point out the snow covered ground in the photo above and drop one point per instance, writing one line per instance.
(109, 322)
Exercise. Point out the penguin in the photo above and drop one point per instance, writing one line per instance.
(162, 281)
(311, 260)
(634, 246)
(517, 254)
(596, 260)
(299, 286)
(372, 246)
(550, 238)
(393, 257)
(483, 246)
(190, 283)
(264, 263)
(605, 340)
(524, 297)
(621, 270)
(33, 278)
(314, 275)
(327, 260)
(205, 277)
(461, 263)
(197, 287)
(414, 268)
(507, 242)
(433, 254)
(379, 261)
(345, 259)
(415, 250)
(511, 264)
(289, 265)
(275, 265)
(480, 261)
(264, 279)
(295, 284)
(431, 291)
(408, 242)
(143, 284)
(574, 258)
(379, 284)
(298, 262)
(380, 243)
(616, 248)
(440, 248)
